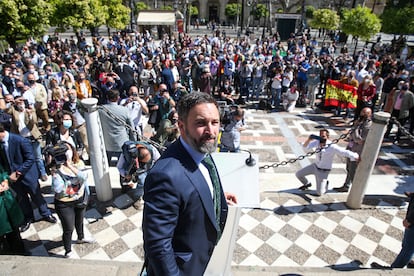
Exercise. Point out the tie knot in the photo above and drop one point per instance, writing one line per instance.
(208, 160)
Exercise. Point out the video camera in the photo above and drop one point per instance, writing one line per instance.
(55, 154)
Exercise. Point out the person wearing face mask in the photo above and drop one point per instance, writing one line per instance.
(366, 93)
(356, 144)
(71, 193)
(31, 69)
(39, 94)
(110, 82)
(64, 74)
(24, 123)
(227, 92)
(65, 132)
(83, 86)
(75, 107)
(399, 105)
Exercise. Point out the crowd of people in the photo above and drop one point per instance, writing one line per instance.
(140, 81)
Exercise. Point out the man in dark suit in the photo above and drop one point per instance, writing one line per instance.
(185, 207)
(16, 155)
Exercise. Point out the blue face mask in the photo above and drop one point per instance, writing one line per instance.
(67, 124)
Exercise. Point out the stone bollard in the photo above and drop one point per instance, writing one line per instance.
(97, 152)
(368, 158)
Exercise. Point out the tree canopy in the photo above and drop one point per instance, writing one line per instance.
(259, 11)
(23, 18)
(140, 6)
(193, 10)
(232, 10)
(325, 19)
(398, 20)
(360, 22)
(117, 15)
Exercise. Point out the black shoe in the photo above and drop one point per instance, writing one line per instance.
(342, 189)
(25, 226)
(50, 219)
(305, 187)
(376, 265)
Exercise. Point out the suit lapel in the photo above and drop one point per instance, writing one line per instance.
(199, 182)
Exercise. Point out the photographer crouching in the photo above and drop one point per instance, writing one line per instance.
(232, 126)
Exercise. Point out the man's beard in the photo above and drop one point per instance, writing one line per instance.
(202, 145)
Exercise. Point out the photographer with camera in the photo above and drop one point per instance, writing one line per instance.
(233, 125)
(137, 107)
(71, 192)
(323, 163)
(133, 165)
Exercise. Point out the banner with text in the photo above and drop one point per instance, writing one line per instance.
(340, 94)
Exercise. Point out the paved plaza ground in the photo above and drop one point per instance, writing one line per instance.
(291, 228)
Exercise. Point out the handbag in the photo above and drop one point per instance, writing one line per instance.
(81, 202)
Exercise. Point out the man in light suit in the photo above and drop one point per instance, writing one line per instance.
(23, 174)
(181, 221)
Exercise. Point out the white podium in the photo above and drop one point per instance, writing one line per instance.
(243, 181)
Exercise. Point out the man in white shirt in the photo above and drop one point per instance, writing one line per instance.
(323, 163)
(136, 107)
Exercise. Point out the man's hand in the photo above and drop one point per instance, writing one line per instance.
(14, 177)
(230, 198)
(406, 223)
(4, 186)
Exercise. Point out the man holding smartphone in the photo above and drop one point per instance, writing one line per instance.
(323, 163)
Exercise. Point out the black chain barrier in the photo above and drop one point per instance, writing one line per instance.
(274, 165)
(402, 128)
(130, 128)
(301, 157)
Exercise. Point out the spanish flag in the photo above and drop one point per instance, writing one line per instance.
(340, 94)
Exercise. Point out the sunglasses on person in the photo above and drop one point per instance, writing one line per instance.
(164, 90)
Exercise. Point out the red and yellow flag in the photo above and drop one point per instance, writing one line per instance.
(340, 94)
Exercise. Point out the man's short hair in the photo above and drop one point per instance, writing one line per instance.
(113, 95)
(190, 100)
(324, 130)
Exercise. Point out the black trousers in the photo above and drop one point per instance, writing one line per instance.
(36, 196)
(402, 121)
(71, 218)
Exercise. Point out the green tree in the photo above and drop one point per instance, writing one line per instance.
(360, 23)
(398, 20)
(325, 19)
(260, 11)
(309, 11)
(24, 18)
(193, 10)
(91, 14)
(117, 15)
(232, 10)
(78, 14)
(140, 6)
(167, 8)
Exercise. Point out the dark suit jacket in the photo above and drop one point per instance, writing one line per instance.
(179, 225)
(21, 158)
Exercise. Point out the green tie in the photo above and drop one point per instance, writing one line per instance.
(208, 162)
